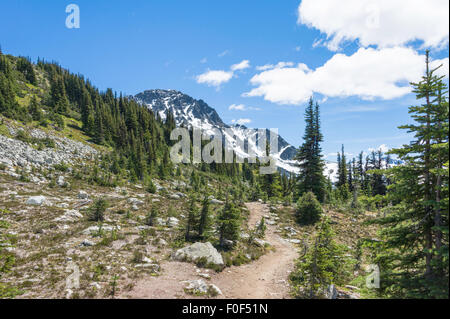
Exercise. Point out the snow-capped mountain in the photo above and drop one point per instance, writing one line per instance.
(190, 112)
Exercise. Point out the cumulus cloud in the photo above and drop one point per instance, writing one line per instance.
(218, 77)
(214, 78)
(384, 23)
(369, 74)
(240, 107)
(241, 121)
(241, 66)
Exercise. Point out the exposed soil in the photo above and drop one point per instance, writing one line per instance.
(265, 278)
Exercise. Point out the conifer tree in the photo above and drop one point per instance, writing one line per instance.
(205, 218)
(58, 97)
(151, 217)
(414, 253)
(192, 220)
(321, 266)
(309, 156)
(229, 222)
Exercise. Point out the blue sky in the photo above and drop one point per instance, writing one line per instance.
(132, 46)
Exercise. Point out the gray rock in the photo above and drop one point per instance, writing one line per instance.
(135, 201)
(14, 152)
(198, 251)
(201, 287)
(172, 222)
(153, 267)
(260, 242)
(69, 216)
(206, 276)
(36, 200)
(83, 195)
(61, 181)
(96, 229)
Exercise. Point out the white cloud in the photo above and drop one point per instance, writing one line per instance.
(242, 107)
(204, 60)
(241, 66)
(241, 121)
(224, 53)
(279, 65)
(214, 78)
(443, 70)
(355, 109)
(218, 77)
(385, 23)
(368, 73)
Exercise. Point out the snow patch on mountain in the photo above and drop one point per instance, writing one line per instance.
(190, 112)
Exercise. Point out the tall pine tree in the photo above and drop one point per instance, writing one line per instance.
(309, 157)
(414, 253)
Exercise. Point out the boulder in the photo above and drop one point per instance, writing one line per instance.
(61, 181)
(216, 201)
(260, 242)
(200, 287)
(173, 222)
(198, 251)
(83, 195)
(69, 216)
(96, 229)
(36, 200)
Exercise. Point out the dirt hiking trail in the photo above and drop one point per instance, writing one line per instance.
(265, 278)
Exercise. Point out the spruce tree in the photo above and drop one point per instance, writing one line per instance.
(192, 220)
(413, 256)
(205, 218)
(322, 265)
(229, 223)
(309, 155)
